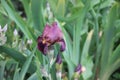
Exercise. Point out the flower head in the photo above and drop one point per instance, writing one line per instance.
(51, 35)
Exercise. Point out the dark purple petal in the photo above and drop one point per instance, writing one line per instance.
(58, 59)
(42, 47)
(78, 69)
(62, 45)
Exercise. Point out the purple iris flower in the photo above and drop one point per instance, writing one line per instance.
(51, 35)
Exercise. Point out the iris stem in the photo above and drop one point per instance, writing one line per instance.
(48, 60)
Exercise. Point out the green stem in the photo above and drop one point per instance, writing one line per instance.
(97, 40)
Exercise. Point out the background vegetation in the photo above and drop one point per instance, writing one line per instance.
(91, 31)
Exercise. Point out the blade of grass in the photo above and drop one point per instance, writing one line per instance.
(113, 64)
(17, 56)
(68, 43)
(26, 4)
(13, 53)
(85, 59)
(60, 8)
(2, 68)
(108, 41)
(69, 19)
(96, 27)
(38, 64)
(16, 73)
(108, 37)
(86, 47)
(26, 65)
(114, 60)
(33, 77)
(76, 39)
(15, 17)
(67, 54)
(37, 14)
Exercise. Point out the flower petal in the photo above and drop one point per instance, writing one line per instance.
(42, 47)
(78, 68)
(52, 32)
(46, 30)
(58, 59)
(0, 28)
(5, 28)
(62, 45)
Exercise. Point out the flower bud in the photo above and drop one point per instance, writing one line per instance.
(78, 70)
(58, 59)
(58, 66)
(15, 32)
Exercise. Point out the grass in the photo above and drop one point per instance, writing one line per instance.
(90, 28)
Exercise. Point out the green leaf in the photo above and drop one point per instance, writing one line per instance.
(26, 65)
(67, 54)
(108, 42)
(114, 60)
(71, 66)
(60, 8)
(27, 8)
(37, 14)
(88, 64)
(33, 77)
(2, 11)
(13, 53)
(2, 69)
(53, 4)
(86, 46)
(108, 37)
(15, 17)
(85, 59)
(68, 42)
(77, 30)
(16, 75)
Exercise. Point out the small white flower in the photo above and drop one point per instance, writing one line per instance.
(15, 32)
(0, 28)
(48, 6)
(50, 14)
(5, 28)
(3, 38)
(29, 41)
(44, 72)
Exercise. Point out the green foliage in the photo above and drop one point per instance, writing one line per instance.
(91, 30)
